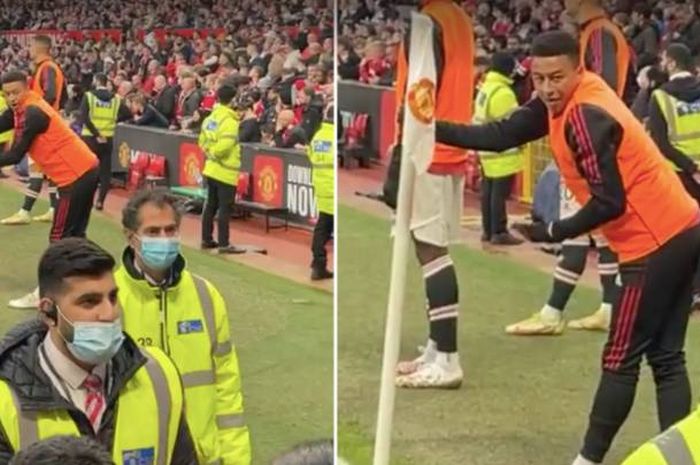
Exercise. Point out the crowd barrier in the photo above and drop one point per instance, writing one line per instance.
(379, 103)
(279, 178)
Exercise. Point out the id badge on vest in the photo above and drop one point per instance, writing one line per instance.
(144, 456)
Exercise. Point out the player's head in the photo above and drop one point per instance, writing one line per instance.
(676, 58)
(577, 8)
(556, 68)
(77, 300)
(14, 86)
(66, 450)
(40, 47)
(151, 222)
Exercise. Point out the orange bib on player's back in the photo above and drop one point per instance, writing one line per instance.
(59, 152)
(36, 81)
(455, 97)
(657, 205)
(622, 49)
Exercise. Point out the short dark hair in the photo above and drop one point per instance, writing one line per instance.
(503, 62)
(66, 450)
(226, 93)
(681, 54)
(101, 79)
(309, 453)
(159, 196)
(556, 43)
(70, 257)
(14, 75)
(43, 40)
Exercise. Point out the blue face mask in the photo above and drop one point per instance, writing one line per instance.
(159, 253)
(94, 342)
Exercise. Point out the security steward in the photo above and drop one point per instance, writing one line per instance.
(219, 142)
(322, 155)
(100, 111)
(674, 119)
(674, 116)
(166, 306)
(612, 167)
(74, 372)
(678, 445)
(495, 100)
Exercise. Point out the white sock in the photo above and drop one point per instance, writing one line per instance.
(606, 309)
(583, 461)
(549, 313)
(449, 360)
(22, 210)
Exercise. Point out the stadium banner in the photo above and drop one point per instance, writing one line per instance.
(379, 103)
(278, 177)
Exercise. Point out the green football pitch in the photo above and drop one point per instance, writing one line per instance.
(525, 400)
(283, 331)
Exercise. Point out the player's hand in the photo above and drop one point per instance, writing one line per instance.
(534, 232)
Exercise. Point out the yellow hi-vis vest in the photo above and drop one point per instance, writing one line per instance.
(494, 101)
(6, 136)
(322, 156)
(683, 123)
(147, 417)
(183, 321)
(678, 445)
(219, 142)
(103, 115)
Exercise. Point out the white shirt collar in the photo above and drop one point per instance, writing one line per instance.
(681, 75)
(66, 369)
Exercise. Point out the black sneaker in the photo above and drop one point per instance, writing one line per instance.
(320, 274)
(207, 245)
(505, 239)
(231, 249)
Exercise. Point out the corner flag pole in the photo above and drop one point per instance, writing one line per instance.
(392, 336)
(418, 140)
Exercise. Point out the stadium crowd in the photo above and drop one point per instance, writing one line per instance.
(279, 56)
(372, 31)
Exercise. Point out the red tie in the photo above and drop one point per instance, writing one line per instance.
(95, 400)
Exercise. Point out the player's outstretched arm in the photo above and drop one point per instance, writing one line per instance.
(526, 124)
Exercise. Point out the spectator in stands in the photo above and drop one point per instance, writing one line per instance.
(645, 36)
(287, 134)
(165, 97)
(689, 28)
(145, 114)
(249, 129)
(66, 450)
(348, 60)
(375, 65)
(309, 111)
(188, 100)
(124, 89)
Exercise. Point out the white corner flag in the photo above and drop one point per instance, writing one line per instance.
(418, 141)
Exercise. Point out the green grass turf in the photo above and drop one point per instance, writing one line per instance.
(525, 400)
(283, 331)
